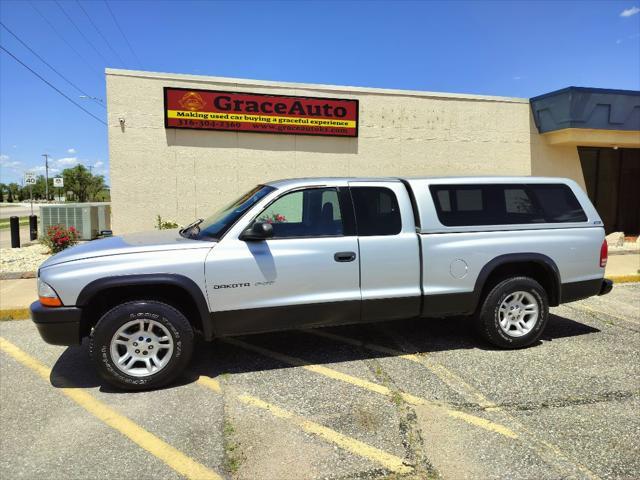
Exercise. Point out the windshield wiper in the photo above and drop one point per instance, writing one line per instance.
(191, 225)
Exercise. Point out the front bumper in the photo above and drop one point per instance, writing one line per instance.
(606, 287)
(57, 325)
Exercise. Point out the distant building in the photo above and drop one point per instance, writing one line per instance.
(182, 146)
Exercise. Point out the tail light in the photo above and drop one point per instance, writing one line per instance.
(604, 253)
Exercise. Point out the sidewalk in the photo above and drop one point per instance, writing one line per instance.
(15, 298)
(17, 295)
(623, 268)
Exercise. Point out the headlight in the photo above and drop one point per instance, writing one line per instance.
(48, 295)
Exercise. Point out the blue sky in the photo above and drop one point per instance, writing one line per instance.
(506, 48)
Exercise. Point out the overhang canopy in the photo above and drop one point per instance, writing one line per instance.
(593, 108)
(589, 116)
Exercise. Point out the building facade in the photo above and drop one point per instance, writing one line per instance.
(182, 146)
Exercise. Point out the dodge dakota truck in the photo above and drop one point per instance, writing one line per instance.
(316, 252)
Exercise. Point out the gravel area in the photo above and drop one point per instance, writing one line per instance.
(25, 259)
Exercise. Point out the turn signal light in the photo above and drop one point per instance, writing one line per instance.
(604, 253)
(50, 302)
(47, 295)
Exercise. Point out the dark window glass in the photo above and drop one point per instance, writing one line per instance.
(377, 211)
(558, 203)
(468, 205)
(305, 213)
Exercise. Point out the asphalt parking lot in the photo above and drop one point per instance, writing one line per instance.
(409, 399)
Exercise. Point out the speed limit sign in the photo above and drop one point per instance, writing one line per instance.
(29, 178)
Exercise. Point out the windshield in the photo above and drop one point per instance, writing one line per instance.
(217, 224)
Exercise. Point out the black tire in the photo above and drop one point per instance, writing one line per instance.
(487, 321)
(173, 320)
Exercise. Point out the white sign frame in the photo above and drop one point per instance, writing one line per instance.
(30, 178)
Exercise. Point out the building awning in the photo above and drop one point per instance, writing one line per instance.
(589, 117)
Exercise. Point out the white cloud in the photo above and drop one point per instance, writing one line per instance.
(66, 162)
(40, 169)
(630, 12)
(518, 77)
(618, 41)
(98, 164)
(6, 162)
(71, 151)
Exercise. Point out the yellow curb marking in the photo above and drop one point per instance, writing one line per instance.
(14, 314)
(175, 459)
(390, 462)
(623, 278)
(374, 387)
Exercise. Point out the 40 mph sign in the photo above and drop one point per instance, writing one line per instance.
(29, 178)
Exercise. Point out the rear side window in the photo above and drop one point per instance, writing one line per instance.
(559, 203)
(377, 211)
(469, 205)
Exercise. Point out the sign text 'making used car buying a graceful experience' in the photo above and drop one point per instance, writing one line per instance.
(252, 112)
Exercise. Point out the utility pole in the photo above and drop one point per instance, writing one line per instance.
(46, 176)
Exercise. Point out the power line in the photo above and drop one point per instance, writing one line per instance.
(45, 81)
(51, 67)
(65, 40)
(123, 35)
(80, 31)
(100, 33)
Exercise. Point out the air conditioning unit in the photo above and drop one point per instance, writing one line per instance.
(88, 218)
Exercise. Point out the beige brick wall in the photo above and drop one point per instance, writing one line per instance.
(184, 174)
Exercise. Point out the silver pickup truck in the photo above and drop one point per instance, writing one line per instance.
(327, 251)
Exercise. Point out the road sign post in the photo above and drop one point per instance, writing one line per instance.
(58, 182)
(30, 179)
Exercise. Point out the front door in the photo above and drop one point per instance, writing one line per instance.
(307, 274)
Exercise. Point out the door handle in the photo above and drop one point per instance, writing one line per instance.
(345, 256)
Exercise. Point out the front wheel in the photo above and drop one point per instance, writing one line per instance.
(141, 344)
(514, 313)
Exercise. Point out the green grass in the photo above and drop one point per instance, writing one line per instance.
(5, 223)
(232, 451)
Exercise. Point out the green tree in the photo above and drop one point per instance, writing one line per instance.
(82, 183)
(13, 192)
(2, 187)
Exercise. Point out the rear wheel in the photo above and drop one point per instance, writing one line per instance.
(514, 313)
(141, 344)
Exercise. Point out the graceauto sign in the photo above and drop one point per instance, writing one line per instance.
(254, 112)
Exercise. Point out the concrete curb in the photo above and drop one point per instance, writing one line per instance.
(17, 275)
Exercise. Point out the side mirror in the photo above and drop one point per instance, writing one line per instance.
(257, 231)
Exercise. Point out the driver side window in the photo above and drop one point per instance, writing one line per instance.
(312, 212)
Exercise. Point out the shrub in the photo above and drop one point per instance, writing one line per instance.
(273, 218)
(165, 224)
(58, 237)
